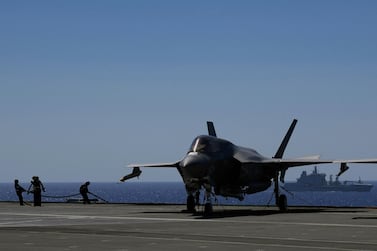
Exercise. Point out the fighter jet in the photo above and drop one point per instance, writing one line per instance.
(225, 169)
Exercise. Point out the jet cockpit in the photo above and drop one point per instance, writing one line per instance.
(208, 145)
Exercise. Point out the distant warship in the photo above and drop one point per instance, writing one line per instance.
(317, 182)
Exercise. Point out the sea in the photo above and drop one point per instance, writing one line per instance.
(174, 193)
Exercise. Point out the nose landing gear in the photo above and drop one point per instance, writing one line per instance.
(190, 203)
(193, 201)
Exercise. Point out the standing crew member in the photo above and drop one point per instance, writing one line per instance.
(19, 191)
(84, 192)
(37, 190)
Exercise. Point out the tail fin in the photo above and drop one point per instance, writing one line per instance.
(279, 154)
(211, 129)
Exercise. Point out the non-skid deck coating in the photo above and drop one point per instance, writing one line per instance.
(165, 227)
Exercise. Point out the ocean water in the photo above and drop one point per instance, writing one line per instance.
(174, 193)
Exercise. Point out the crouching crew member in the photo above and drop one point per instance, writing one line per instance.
(84, 192)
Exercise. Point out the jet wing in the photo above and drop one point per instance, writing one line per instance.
(311, 160)
(175, 164)
(305, 161)
(344, 167)
(358, 161)
(136, 169)
(247, 157)
(286, 163)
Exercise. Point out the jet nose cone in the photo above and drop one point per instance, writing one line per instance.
(195, 165)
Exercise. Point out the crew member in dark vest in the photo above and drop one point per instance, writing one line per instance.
(38, 187)
(84, 192)
(19, 191)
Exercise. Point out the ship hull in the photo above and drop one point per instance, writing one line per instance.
(328, 188)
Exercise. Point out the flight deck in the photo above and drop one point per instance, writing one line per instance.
(65, 226)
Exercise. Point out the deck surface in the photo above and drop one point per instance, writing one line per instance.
(63, 226)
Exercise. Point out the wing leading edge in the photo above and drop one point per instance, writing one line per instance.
(286, 163)
(136, 169)
(282, 164)
(171, 164)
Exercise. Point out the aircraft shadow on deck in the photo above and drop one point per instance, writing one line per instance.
(365, 218)
(248, 212)
(228, 213)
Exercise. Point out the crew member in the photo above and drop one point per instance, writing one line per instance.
(38, 187)
(84, 192)
(19, 191)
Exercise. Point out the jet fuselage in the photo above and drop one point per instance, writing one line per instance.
(215, 162)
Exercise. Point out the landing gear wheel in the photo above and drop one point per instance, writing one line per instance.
(208, 209)
(282, 202)
(190, 203)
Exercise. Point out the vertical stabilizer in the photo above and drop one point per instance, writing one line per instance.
(211, 129)
(279, 154)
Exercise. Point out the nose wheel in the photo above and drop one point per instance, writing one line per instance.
(190, 203)
(193, 200)
(208, 209)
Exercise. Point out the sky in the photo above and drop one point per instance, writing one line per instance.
(88, 87)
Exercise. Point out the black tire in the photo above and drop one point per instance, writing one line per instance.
(282, 202)
(190, 203)
(208, 209)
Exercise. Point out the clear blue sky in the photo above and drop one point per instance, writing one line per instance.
(87, 87)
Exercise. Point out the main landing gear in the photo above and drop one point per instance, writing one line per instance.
(192, 201)
(282, 202)
(281, 199)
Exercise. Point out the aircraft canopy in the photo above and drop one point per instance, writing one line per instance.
(208, 144)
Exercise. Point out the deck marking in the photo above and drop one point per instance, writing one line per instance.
(93, 217)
